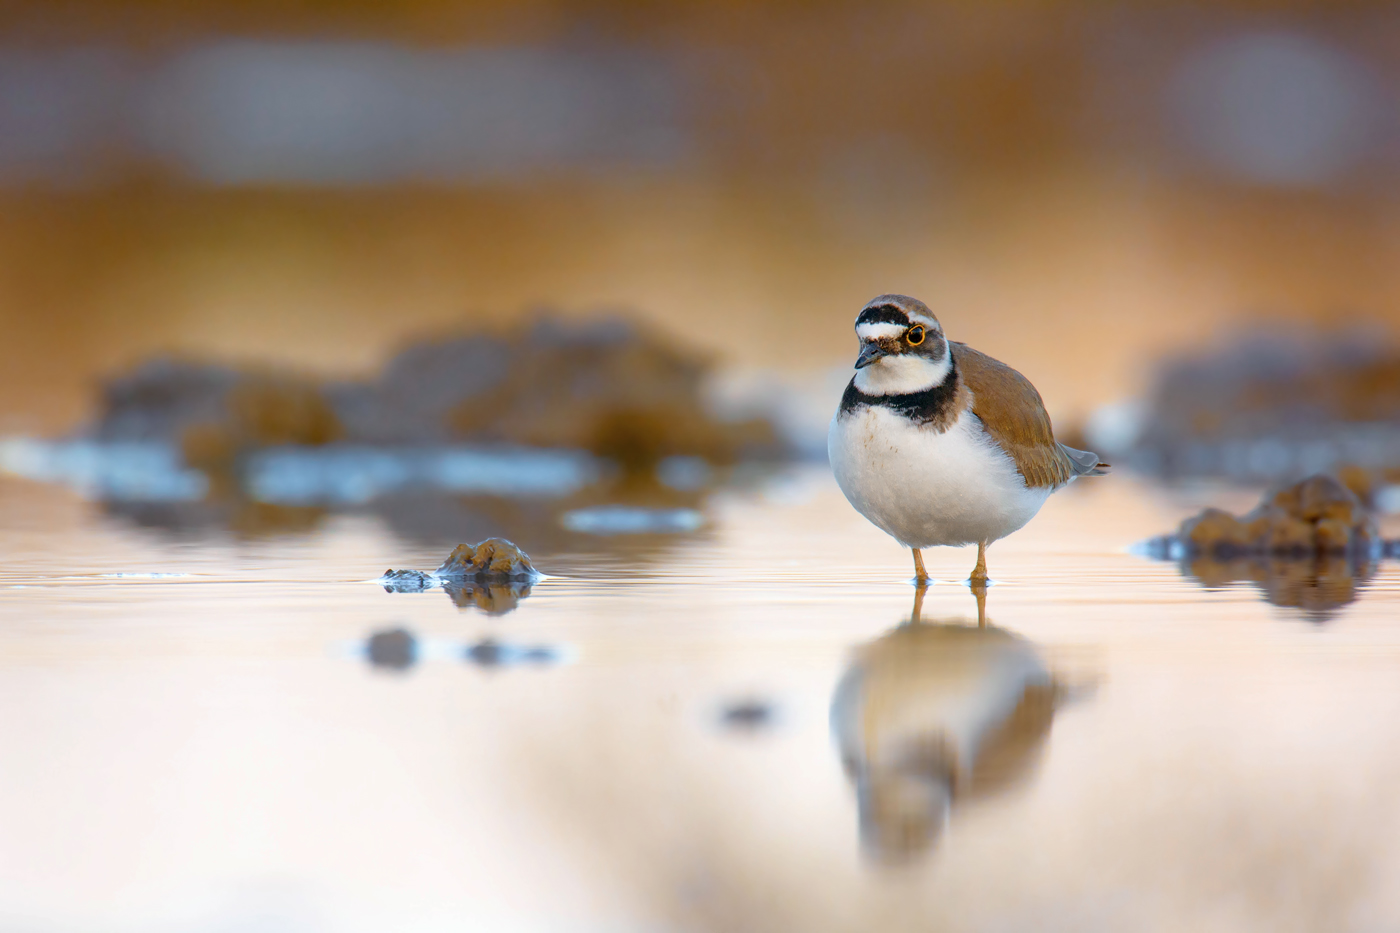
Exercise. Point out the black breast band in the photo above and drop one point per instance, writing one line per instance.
(931, 404)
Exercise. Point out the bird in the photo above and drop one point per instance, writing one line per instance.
(938, 444)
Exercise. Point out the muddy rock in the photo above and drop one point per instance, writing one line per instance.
(1217, 531)
(609, 386)
(493, 560)
(1310, 546)
(493, 576)
(491, 653)
(407, 581)
(1320, 515)
(212, 413)
(395, 649)
(1270, 405)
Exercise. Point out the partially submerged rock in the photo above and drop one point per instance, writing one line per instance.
(494, 559)
(213, 413)
(1317, 516)
(408, 581)
(609, 386)
(395, 649)
(1269, 405)
(1308, 546)
(491, 653)
(493, 576)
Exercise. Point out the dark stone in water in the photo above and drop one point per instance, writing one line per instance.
(1309, 546)
(1274, 405)
(748, 715)
(490, 653)
(493, 560)
(493, 576)
(395, 649)
(214, 414)
(1317, 516)
(407, 581)
(486, 653)
(610, 386)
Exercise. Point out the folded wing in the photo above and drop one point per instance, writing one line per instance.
(1013, 414)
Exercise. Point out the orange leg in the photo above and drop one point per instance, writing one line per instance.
(978, 582)
(920, 574)
(979, 573)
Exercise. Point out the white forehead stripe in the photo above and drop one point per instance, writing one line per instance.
(876, 331)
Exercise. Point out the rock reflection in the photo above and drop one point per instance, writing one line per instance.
(1311, 546)
(1318, 585)
(494, 599)
(933, 715)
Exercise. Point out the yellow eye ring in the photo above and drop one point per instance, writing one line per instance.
(915, 335)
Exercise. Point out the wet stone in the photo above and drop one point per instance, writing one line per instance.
(407, 581)
(1320, 515)
(491, 653)
(395, 649)
(494, 559)
(493, 576)
(486, 653)
(747, 715)
(1310, 547)
(1215, 530)
(1274, 404)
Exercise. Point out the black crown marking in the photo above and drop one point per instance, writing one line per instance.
(883, 314)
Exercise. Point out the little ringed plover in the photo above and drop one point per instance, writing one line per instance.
(939, 444)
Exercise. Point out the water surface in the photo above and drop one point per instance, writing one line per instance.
(726, 728)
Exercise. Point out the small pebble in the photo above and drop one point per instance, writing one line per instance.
(395, 649)
(747, 715)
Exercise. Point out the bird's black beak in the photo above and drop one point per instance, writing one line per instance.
(869, 353)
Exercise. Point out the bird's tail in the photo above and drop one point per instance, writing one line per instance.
(1085, 462)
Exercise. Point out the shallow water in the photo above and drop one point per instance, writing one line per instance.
(723, 729)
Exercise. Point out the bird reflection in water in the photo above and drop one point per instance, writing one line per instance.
(935, 714)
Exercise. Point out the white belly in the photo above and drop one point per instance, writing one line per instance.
(926, 488)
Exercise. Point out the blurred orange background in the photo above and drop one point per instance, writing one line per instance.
(1076, 188)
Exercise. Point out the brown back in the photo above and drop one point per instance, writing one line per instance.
(1013, 414)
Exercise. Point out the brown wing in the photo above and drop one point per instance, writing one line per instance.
(1013, 414)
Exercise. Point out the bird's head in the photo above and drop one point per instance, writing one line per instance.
(902, 347)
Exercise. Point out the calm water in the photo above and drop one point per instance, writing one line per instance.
(730, 731)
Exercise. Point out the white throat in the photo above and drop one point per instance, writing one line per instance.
(902, 373)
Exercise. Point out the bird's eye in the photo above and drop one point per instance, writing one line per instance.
(915, 335)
